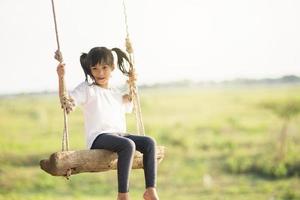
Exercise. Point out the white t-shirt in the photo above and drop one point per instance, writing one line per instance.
(104, 110)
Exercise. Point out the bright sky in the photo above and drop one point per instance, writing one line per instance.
(173, 39)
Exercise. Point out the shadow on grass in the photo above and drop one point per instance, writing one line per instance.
(22, 160)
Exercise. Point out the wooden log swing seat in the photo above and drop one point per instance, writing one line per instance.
(66, 162)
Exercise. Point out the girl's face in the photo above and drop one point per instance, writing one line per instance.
(101, 74)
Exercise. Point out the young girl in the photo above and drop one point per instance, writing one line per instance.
(104, 117)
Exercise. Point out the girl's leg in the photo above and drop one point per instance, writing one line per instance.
(125, 149)
(146, 145)
(123, 196)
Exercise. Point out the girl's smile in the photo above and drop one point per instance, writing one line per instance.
(101, 74)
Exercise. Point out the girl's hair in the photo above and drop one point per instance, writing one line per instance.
(103, 55)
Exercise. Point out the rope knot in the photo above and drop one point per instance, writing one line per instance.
(67, 103)
(128, 45)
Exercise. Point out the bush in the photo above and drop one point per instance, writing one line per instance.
(264, 164)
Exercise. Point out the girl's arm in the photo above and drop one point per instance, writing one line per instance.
(65, 100)
(61, 74)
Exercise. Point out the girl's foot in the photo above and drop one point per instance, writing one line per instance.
(151, 194)
(123, 196)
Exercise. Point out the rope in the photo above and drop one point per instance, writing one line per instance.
(133, 87)
(126, 21)
(58, 54)
(59, 58)
(132, 84)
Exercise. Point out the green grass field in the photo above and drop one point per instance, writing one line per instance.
(211, 135)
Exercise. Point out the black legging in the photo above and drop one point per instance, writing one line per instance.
(125, 147)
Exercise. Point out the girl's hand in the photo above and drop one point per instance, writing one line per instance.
(127, 98)
(60, 70)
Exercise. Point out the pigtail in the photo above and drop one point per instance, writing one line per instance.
(84, 65)
(121, 57)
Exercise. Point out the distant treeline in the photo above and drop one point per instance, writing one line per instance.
(290, 79)
(284, 80)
